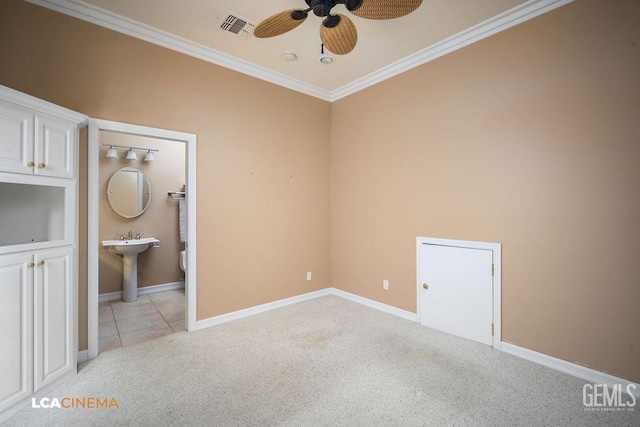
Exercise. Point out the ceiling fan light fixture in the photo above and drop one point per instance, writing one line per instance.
(331, 21)
(337, 31)
(298, 15)
(352, 4)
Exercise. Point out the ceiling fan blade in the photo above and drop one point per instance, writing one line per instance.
(341, 38)
(280, 23)
(386, 9)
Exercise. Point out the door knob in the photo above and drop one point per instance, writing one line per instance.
(426, 286)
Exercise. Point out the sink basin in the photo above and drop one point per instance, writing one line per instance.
(129, 249)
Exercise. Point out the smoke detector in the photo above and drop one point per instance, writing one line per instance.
(236, 25)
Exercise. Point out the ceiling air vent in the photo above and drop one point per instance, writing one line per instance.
(237, 26)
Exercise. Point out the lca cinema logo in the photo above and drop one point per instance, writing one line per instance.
(609, 398)
(74, 403)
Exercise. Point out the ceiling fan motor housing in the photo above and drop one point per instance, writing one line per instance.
(321, 7)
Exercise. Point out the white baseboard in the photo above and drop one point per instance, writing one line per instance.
(375, 304)
(114, 296)
(83, 356)
(235, 315)
(572, 369)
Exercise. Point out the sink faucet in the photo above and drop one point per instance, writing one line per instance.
(130, 235)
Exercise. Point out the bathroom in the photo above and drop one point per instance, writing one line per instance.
(158, 308)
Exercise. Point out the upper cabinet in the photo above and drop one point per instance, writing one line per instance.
(35, 143)
(38, 173)
(16, 139)
(54, 147)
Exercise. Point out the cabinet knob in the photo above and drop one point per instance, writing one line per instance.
(31, 265)
(31, 164)
(425, 285)
(40, 263)
(41, 165)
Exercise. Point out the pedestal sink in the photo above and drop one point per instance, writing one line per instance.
(129, 249)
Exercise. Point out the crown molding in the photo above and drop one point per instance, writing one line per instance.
(510, 18)
(498, 23)
(90, 13)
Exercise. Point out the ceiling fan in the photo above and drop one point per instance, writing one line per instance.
(337, 32)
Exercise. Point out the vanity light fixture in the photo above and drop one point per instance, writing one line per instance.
(112, 153)
(131, 154)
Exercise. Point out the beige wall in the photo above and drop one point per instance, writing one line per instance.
(159, 265)
(263, 151)
(530, 139)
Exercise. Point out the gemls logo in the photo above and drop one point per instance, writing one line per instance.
(601, 397)
(74, 403)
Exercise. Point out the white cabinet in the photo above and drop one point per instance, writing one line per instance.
(16, 329)
(38, 246)
(36, 322)
(16, 139)
(35, 143)
(53, 315)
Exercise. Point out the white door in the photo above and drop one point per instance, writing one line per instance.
(16, 336)
(456, 291)
(53, 316)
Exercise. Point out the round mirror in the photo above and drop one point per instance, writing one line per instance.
(129, 192)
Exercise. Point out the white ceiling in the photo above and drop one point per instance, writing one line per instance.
(385, 47)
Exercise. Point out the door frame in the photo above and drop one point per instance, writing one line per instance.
(93, 198)
(496, 249)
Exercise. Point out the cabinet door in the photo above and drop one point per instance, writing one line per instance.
(54, 148)
(16, 139)
(16, 329)
(53, 315)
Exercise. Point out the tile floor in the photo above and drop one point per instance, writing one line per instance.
(151, 316)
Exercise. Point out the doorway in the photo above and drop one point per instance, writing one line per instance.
(458, 288)
(96, 128)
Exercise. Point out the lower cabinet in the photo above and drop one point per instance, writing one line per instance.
(36, 321)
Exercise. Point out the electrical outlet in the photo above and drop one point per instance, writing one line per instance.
(385, 285)
(308, 275)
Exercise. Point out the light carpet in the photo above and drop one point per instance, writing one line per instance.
(324, 362)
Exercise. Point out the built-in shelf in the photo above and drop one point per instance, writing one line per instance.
(35, 215)
(31, 213)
